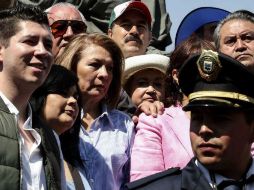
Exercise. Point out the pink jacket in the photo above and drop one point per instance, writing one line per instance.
(161, 143)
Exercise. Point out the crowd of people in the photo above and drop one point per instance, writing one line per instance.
(90, 99)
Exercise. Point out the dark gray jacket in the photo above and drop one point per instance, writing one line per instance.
(10, 160)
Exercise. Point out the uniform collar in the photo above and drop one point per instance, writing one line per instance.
(219, 178)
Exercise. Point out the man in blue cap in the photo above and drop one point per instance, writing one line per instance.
(221, 102)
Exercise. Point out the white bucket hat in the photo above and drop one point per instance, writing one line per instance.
(141, 62)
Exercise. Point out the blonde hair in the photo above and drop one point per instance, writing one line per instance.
(73, 51)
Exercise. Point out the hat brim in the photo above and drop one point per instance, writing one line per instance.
(217, 104)
(141, 62)
(197, 18)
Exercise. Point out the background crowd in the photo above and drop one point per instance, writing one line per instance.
(90, 98)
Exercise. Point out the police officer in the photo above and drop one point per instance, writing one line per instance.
(221, 101)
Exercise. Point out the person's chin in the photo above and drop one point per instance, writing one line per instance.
(247, 62)
(68, 122)
(208, 160)
(133, 51)
(36, 80)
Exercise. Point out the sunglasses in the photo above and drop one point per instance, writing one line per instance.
(59, 27)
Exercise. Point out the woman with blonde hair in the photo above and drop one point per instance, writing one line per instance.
(106, 135)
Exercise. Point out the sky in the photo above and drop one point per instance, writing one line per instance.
(177, 9)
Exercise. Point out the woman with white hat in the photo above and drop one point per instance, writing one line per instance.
(161, 142)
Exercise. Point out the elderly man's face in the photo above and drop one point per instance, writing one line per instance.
(64, 13)
(237, 41)
(131, 32)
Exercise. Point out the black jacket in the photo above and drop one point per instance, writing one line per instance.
(189, 178)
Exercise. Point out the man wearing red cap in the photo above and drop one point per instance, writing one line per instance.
(130, 27)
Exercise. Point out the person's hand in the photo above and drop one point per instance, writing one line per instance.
(149, 108)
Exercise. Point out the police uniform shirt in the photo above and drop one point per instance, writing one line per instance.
(219, 178)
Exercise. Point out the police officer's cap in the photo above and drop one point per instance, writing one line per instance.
(215, 80)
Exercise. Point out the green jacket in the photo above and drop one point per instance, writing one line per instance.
(10, 160)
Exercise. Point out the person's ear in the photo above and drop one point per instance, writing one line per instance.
(150, 35)
(175, 75)
(1, 56)
(252, 132)
(1, 53)
(110, 32)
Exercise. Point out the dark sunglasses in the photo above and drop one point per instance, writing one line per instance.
(59, 27)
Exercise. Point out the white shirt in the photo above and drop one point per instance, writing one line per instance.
(32, 172)
(63, 180)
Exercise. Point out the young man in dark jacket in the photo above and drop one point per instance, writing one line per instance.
(29, 155)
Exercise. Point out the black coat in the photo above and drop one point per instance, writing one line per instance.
(189, 178)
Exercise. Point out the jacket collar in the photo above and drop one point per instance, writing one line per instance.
(6, 105)
(192, 178)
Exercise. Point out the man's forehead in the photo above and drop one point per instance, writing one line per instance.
(236, 22)
(236, 27)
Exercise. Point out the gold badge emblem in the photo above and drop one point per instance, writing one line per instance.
(209, 65)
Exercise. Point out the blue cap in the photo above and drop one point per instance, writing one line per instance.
(197, 18)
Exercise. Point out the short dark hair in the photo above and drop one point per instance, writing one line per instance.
(10, 18)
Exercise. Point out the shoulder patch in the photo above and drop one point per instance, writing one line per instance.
(151, 178)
